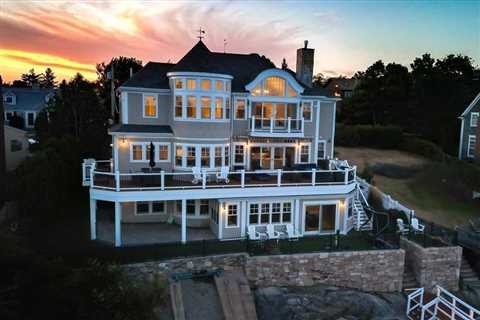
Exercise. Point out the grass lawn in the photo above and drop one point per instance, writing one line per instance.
(425, 192)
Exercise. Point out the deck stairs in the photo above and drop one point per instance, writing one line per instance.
(468, 276)
(409, 281)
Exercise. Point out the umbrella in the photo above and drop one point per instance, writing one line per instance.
(152, 155)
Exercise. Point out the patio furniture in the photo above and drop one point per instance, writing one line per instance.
(257, 233)
(416, 226)
(292, 234)
(222, 175)
(272, 234)
(401, 227)
(281, 230)
(156, 170)
(145, 170)
(197, 175)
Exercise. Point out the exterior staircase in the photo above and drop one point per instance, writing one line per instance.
(468, 275)
(359, 210)
(409, 281)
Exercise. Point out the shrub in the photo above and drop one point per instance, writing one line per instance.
(382, 137)
(423, 148)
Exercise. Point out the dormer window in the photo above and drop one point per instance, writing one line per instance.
(149, 106)
(274, 86)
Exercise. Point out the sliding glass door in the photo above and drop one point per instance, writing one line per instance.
(320, 218)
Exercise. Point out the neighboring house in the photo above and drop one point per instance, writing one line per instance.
(240, 147)
(25, 103)
(16, 146)
(341, 88)
(469, 132)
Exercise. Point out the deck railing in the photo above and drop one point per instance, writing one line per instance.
(276, 125)
(162, 180)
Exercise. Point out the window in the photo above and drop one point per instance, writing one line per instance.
(274, 86)
(15, 145)
(228, 86)
(240, 109)
(257, 91)
(163, 152)
(206, 84)
(204, 207)
(253, 217)
(474, 119)
(472, 140)
(287, 212)
(206, 107)
(8, 115)
(214, 214)
(218, 108)
(143, 208)
(178, 204)
(350, 208)
(291, 92)
(347, 94)
(178, 83)
(232, 215)
(191, 155)
(191, 207)
(265, 213)
(178, 156)
(30, 119)
(149, 106)
(239, 154)
(205, 159)
(307, 111)
(158, 207)
(227, 156)
(147, 154)
(137, 152)
(227, 108)
(321, 150)
(304, 153)
(191, 84)
(218, 156)
(219, 85)
(191, 107)
(178, 106)
(276, 211)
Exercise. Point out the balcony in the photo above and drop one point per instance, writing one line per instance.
(276, 127)
(105, 179)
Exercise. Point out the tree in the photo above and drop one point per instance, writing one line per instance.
(318, 80)
(3, 169)
(31, 78)
(16, 121)
(121, 68)
(48, 79)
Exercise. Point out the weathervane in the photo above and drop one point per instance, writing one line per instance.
(201, 33)
(225, 45)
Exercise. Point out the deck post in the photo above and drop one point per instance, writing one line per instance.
(243, 218)
(253, 124)
(313, 176)
(162, 180)
(184, 220)
(279, 177)
(118, 224)
(204, 178)
(346, 176)
(289, 124)
(242, 178)
(92, 173)
(93, 219)
(117, 180)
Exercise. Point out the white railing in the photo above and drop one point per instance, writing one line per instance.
(415, 301)
(276, 125)
(162, 180)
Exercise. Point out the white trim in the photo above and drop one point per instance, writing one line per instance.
(26, 119)
(472, 124)
(460, 147)
(118, 224)
(93, 219)
(198, 152)
(321, 203)
(235, 144)
(332, 144)
(471, 138)
(270, 202)
(471, 105)
(309, 144)
(198, 74)
(115, 154)
(311, 102)
(145, 145)
(124, 103)
(150, 209)
(317, 130)
(225, 210)
(142, 90)
(324, 150)
(142, 135)
(156, 105)
(289, 79)
(201, 139)
(236, 99)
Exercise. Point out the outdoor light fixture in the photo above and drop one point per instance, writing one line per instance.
(124, 140)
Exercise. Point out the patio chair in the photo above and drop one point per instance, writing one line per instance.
(416, 226)
(272, 234)
(223, 174)
(292, 234)
(197, 175)
(281, 230)
(262, 232)
(401, 227)
(252, 233)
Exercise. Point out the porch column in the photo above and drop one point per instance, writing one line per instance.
(243, 218)
(297, 216)
(337, 219)
(118, 224)
(93, 219)
(184, 220)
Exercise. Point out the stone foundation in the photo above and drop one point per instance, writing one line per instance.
(433, 266)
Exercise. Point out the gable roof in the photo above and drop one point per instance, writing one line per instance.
(471, 105)
(27, 99)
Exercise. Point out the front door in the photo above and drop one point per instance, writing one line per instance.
(320, 218)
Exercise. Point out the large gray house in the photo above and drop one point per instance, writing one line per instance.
(224, 146)
(469, 134)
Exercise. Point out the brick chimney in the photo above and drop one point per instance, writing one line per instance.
(305, 65)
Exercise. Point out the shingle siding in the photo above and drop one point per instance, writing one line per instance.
(468, 130)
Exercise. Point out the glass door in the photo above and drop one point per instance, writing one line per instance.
(320, 218)
(312, 219)
(329, 212)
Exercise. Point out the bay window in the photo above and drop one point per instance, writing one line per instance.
(179, 155)
(227, 108)
(191, 156)
(227, 155)
(140, 151)
(218, 156)
(218, 108)
(205, 160)
(178, 106)
(178, 83)
(137, 152)
(191, 107)
(201, 155)
(219, 85)
(206, 107)
(163, 153)
(191, 84)
(206, 84)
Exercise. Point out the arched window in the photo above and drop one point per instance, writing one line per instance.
(274, 87)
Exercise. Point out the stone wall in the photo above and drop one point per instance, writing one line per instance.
(363, 270)
(433, 266)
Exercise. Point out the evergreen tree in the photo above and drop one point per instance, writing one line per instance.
(48, 79)
(31, 78)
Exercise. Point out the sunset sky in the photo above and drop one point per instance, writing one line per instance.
(348, 36)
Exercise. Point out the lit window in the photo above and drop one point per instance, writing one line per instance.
(178, 155)
(218, 108)
(227, 108)
(191, 156)
(206, 107)
(205, 157)
(240, 109)
(191, 207)
(219, 85)
(178, 84)
(204, 207)
(232, 215)
(291, 92)
(474, 119)
(472, 141)
(304, 153)
(178, 106)
(149, 106)
(163, 152)
(191, 84)
(257, 91)
(218, 156)
(191, 107)
(307, 111)
(239, 154)
(274, 86)
(137, 152)
(206, 84)
(143, 208)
